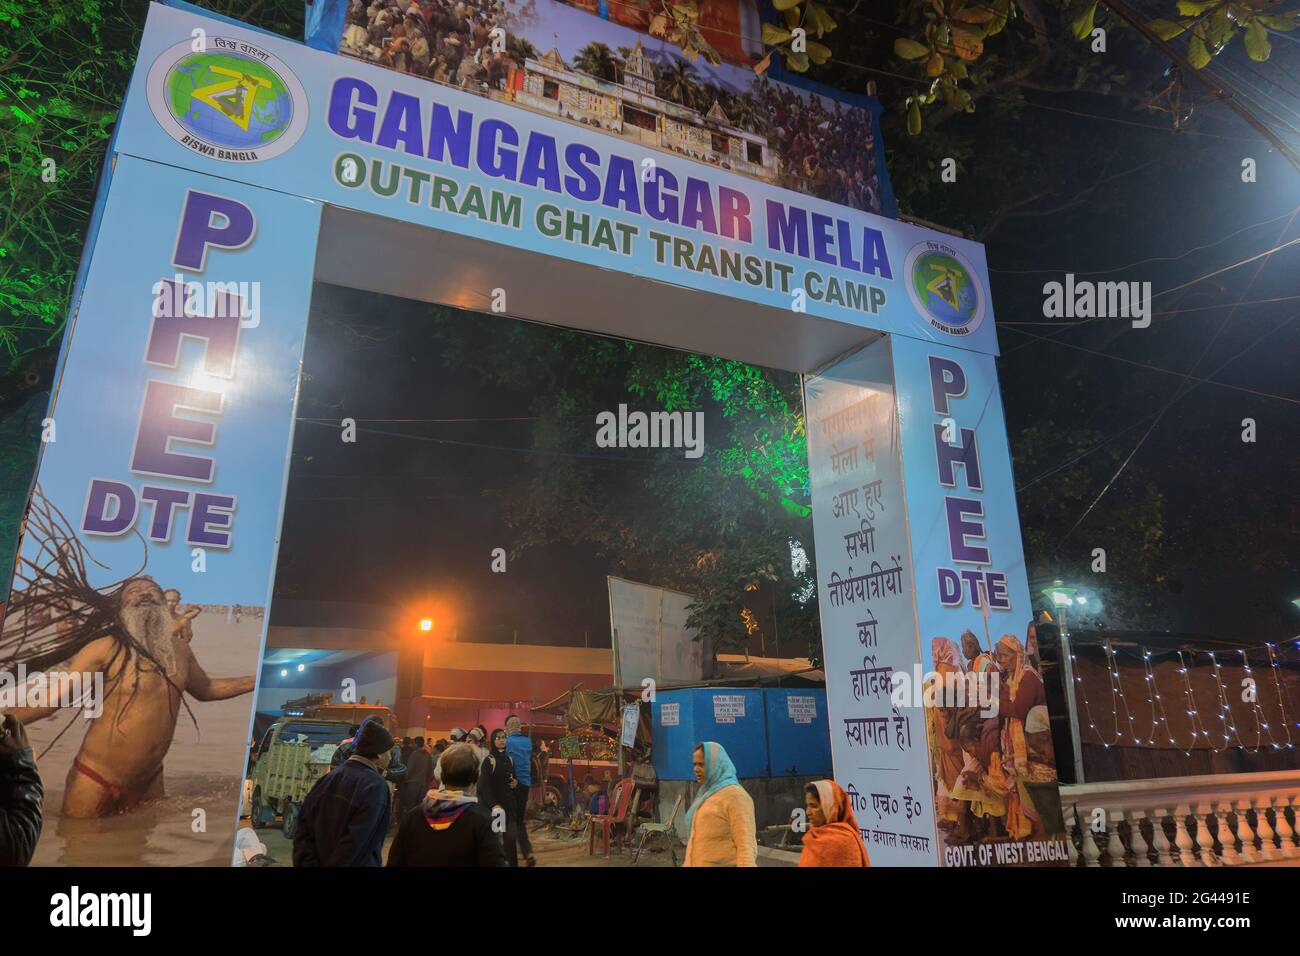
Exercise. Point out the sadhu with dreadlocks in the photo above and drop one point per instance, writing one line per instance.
(128, 633)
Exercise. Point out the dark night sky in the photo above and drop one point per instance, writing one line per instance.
(412, 522)
(1195, 454)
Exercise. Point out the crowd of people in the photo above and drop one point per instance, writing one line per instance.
(449, 41)
(464, 805)
(827, 152)
(995, 776)
(459, 802)
(464, 801)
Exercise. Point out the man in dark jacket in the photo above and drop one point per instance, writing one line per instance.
(450, 827)
(419, 774)
(346, 815)
(20, 795)
(396, 772)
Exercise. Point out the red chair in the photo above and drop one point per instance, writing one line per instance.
(608, 823)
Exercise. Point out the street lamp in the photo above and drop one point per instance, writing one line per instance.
(1062, 597)
(426, 624)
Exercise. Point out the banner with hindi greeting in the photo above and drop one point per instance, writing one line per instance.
(865, 582)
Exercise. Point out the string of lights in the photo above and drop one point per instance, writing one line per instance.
(1154, 698)
(1229, 733)
(1087, 710)
(1225, 712)
(1274, 666)
(1116, 686)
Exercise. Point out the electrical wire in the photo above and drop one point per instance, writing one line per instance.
(1161, 369)
(1142, 262)
(1201, 278)
(1129, 427)
(1178, 394)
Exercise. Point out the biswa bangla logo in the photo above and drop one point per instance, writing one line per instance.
(231, 100)
(942, 286)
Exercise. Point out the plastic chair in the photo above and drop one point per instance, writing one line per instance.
(648, 830)
(607, 822)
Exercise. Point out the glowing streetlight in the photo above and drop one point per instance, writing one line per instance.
(1062, 597)
(426, 624)
(284, 672)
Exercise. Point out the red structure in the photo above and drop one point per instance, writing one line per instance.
(463, 684)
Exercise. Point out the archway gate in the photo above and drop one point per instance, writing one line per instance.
(174, 422)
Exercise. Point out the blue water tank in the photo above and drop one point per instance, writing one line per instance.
(798, 732)
(732, 716)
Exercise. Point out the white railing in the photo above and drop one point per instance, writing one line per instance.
(1229, 819)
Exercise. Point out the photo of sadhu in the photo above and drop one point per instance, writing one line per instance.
(134, 633)
(994, 776)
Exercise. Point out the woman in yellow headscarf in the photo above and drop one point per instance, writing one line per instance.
(1021, 692)
(945, 748)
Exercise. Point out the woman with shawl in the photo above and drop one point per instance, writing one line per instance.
(720, 821)
(833, 837)
(945, 726)
(1022, 691)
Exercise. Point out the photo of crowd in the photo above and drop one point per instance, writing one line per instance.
(813, 144)
(994, 775)
(827, 148)
(449, 42)
(732, 27)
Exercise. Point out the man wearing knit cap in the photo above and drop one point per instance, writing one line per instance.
(345, 817)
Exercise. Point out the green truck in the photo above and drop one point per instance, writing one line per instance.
(293, 755)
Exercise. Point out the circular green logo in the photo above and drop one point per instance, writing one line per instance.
(231, 100)
(942, 287)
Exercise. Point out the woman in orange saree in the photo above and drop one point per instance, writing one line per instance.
(832, 837)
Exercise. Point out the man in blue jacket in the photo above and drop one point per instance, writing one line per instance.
(520, 749)
(345, 817)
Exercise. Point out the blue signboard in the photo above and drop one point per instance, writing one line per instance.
(502, 168)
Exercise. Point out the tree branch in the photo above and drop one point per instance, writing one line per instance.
(1043, 55)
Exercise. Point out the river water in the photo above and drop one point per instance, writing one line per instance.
(204, 770)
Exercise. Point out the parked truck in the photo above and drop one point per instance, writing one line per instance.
(292, 756)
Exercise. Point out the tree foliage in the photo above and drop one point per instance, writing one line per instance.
(719, 527)
(63, 68)
(942, 43)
